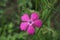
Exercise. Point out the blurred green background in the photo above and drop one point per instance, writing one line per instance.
(12, 10)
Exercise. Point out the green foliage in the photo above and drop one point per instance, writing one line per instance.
(12, 10)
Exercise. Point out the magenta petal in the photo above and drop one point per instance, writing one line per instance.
(30, 30)
(34, 16)
(38, 23)
(25, 17)
(23, 26)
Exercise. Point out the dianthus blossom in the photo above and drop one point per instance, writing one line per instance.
(30, 22)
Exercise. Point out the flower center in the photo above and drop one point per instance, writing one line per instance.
(30, 22)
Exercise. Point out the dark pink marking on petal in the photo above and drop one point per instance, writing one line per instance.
(31, 30)
(23, 26)
(34, 16)
(25, 17)
(38, 23)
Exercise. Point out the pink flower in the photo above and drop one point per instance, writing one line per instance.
(30, 23)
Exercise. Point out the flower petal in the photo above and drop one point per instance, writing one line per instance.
(31, 30)
(23, 26)
(25, 17)
(34, 16)
(38, 23)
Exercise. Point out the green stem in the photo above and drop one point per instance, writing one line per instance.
(36, 5)
(47, 15)
(45, 20)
